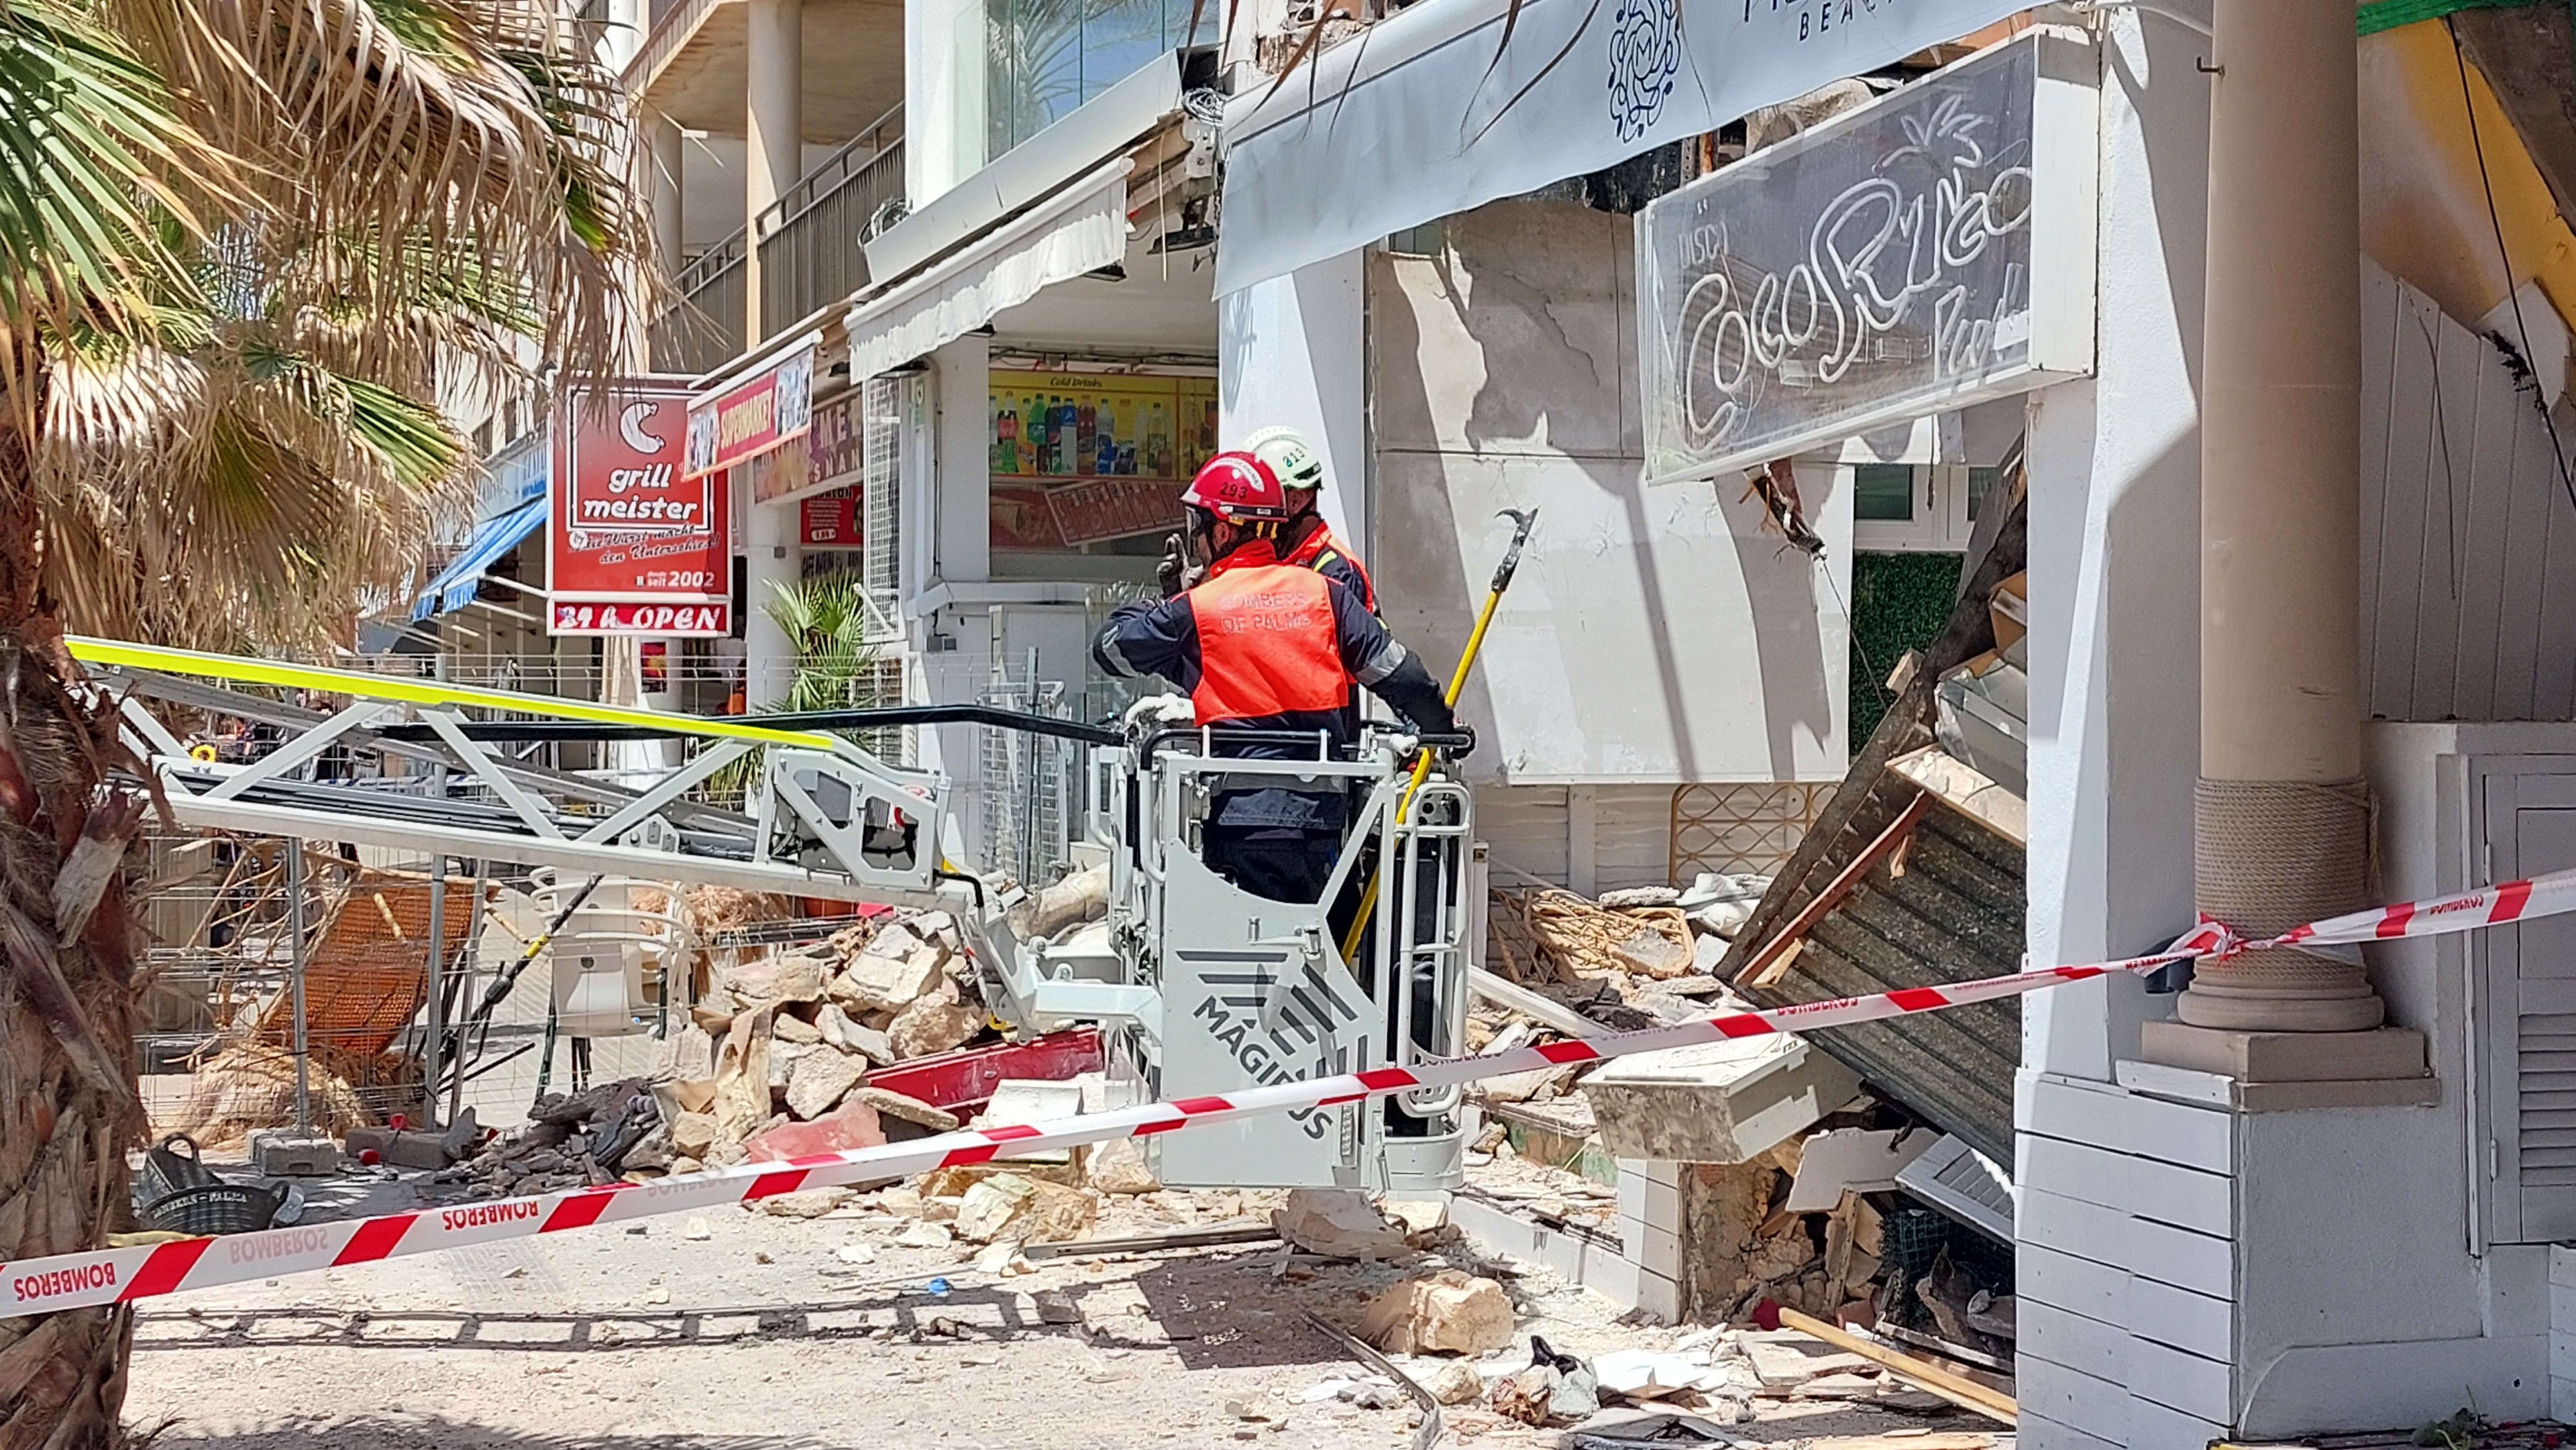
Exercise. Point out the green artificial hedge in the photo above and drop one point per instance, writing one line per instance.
(1899, 603)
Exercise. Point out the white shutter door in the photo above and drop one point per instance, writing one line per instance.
(2531, 823)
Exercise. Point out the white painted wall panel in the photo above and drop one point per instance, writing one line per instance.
(2468, 536)
(1661, 634)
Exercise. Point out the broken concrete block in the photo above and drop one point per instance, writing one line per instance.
(1456, 1383)
(806, 1203)
(851, 1125)
(791, 1028)
(925, 1234)
(842, 1031)
(930, 1025)
(896, 940)
(1118, 1166)
(1718, 1102)
(1443, 1313)
(874, 983)
(820, 1079)
(891, 1104)
(1026, 1210)
(1787, 1358)
(692, 1134)
(1338, 1223)
(1019, 1101)
(777, 979)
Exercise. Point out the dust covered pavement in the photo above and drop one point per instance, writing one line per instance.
(746, 1329)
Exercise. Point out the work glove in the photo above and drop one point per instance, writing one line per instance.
(1157, 711)
(1173, 571)
(1467, 747)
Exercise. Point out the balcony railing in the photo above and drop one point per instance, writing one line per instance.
(809, 240)
(705, 331)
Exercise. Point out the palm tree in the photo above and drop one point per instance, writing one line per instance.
(242, 244)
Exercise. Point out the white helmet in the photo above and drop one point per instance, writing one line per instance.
(1289, 455)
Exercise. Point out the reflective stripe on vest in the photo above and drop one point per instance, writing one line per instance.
(1267, 645)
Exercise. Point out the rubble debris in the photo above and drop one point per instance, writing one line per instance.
(577, 1141)
(931, 1025)
(1578, 938)
(805, 1203)
(851, 1125)
(1444, 1313)
(1717, 1102)
(925, 1234)
(1967, 1394)
(1456, 1383)
(1645, 1374)
(1118, 1166)
(1337, 1223)
(1852, 1160)
(1024, 1210)
(1556, 1388)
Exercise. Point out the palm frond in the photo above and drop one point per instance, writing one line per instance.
(94, 163)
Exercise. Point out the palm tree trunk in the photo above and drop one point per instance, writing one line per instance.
(68, 1110)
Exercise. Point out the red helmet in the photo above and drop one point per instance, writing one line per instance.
(1239, 489)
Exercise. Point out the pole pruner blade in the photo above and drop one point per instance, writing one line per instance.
(1523, 520)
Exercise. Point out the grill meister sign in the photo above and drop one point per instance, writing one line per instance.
(628, 537)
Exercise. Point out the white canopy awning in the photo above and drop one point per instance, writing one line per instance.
(1080, 229)
(1429, 114)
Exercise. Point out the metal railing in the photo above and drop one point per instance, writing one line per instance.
(810, 237)
(705, 331)
(668, 26)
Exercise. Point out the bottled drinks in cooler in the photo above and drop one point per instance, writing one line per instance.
(1086, 437)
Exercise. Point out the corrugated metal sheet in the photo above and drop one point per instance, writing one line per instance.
(1955, 913)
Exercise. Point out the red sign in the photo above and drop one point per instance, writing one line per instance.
(710, 621)
(623, 525)
(1021, 521)
(830, 520)
(752, 417)
(1114, 508)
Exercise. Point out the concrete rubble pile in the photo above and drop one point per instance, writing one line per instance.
(1781, 1167)
(771, 1064)
(773, 1060)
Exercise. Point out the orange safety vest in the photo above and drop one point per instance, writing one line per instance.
(1267, 645)
(1320, 547)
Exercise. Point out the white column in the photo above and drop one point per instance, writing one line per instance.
(774, 121)
(2114, 529)
(772, 160)
(2283, 827)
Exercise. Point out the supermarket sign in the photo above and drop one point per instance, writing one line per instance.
(706, 621)
(748, 417)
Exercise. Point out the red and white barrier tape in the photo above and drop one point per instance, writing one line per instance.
(71, 1281)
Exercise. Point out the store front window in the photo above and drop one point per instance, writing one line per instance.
(1088, 466)
(1049, 56)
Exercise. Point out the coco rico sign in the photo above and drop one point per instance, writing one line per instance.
(751, 417)
(1930, 250)
(624, 528)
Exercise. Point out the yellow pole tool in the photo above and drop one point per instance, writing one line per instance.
(1523, 521)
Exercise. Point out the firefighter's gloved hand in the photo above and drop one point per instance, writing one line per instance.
(1466, 748)
(1156, 711)
(1173, 572)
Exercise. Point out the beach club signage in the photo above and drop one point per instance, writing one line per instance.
(633, 547)
(1930, 250)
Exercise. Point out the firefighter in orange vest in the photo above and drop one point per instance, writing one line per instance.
(1306, 540)
(1267, 647)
